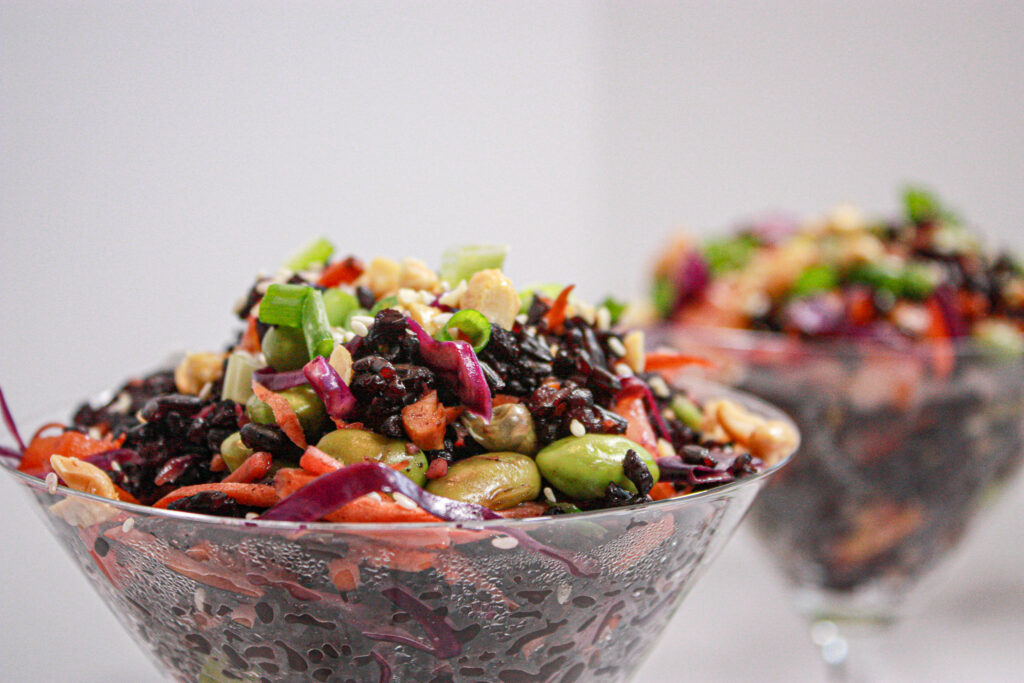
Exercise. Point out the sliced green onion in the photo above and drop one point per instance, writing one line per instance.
(663, 294)
(315, 325)
(615, 308)
(729, 253)
(815, 280)
(687, 411)
(916, 281)
(386, 302)
(472, 325)
(282, 305)
(238, 377)
(339, 305)
(317, 251)
(459, 264)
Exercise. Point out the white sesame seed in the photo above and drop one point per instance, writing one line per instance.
(359, 328)
(252, 515)
(659, 387)
(554, 349)
(623, 370)
(122, 404)
(95, 433)
(404, 501)
(615, 346)
(504, 542)
(205, 392)
(549, 495)
(199, 598)
(115, 465)
(128, 525)
(577, 428)
(366, 320)
(51, 483)
(522, 318)
(563, 592)
(604, 318)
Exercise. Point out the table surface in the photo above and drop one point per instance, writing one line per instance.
(735, 626)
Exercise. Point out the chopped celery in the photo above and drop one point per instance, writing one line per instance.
(815, 280)
(238, 376)
(315, 326)
(282, 305)
(386, 302)
(687, 411)
(316, 252)
(460, 263)
(339, 305)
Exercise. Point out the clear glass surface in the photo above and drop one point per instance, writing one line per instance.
(901, 448)
(569, 598)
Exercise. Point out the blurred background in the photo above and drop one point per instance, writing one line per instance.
(156, 154)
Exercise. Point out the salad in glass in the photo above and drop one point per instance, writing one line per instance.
(361, 405)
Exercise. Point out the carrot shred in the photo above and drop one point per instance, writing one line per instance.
(124, 496)
(36, 459)
(256, 495)
(660, 361)
(344, 574)
(48, 425)
(341, 273)
(284, 414)
(253, 468)
(502, 399)
(217, 463)
(556, 316)
(425, 422)
(639, 427)
(453, 414)
(315, 461)
(662, 490)
(942, 352)
(251, 337)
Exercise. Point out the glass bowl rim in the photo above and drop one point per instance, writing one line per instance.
(760, 406)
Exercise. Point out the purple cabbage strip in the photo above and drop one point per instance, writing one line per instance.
(388, 637)
(440, 632)
(9, 420)
(691, 278)
(105, 461)
(943, 296)
(330, 491)
(11, 455)
(635, 384)
(385, 669)
(816, 315)
(353, 344)
(279, 381)
(330, 387)
(458, 357)
(674, 469)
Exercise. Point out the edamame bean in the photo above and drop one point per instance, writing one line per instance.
(357, 445)
(307, 406)
(583, 466)
(234, 452)
(285, 348)
(510, 429)
(495, 480)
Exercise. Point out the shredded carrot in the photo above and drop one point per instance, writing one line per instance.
(124, 496)
(36, 459)
(344, 574)
(556, 316)
(453, 414)
(860, 306)
(341, 273)
(661, 361)
(502, 399)
(284, 414)
(315, 461)
(256, 495)
(942, 352)
(253, 468)
(48, 425)
(639, 427)
(251, 337)
(425, 421)
(662, 490)
(217, 463)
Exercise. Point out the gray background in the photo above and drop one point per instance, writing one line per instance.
(156, 154)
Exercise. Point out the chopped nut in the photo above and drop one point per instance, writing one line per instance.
(381, 277)
(415, 274)
(737, 421)
(83, 476)
(772, 441)
(341, 361)
(196, 369)
(635, 357)
(425, 316)
(492, 294)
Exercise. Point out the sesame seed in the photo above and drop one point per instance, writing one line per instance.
(205, 392)
(659, 387)
(623, 370)
(504, 542)
(51, 483)
(616, 346)
(252, 515)
(115, 465)
(404, 501)
(549, 495)
(604, 318)
(199, 598)
(128, 525)
(366, 320)
(359, 328)
(577, 428)
(563, 592)
(522, 318)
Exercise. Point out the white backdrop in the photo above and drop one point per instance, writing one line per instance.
(156, 154)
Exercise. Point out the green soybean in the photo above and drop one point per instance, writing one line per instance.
(307, 406)
(495, 480)
(351, 446)
(583, 466)
(285, 348)
(511, 428)
(233, 451)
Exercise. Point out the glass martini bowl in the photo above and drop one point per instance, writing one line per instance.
(579, 597)
(900, 450)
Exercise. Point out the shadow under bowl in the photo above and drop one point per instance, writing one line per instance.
(900, 448)
(565, 598)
